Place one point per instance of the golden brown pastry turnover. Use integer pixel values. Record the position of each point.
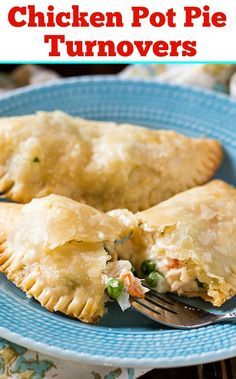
(58, 251)
(188, 242)
(103, 164)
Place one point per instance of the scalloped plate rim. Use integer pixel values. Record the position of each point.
(71, 355)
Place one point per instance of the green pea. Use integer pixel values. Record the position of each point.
(153, 278)
(148, 266)
(115, 288)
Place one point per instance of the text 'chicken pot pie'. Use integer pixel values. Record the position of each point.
(187, 244)
(58, 251)
(102, 164)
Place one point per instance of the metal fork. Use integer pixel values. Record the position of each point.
(173, 313)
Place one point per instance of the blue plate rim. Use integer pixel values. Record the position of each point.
(100, 360)
(116, 78)
(176, 361)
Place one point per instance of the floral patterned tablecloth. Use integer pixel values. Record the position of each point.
(17, 362)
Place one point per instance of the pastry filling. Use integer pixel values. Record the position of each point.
(121, 283)
(183, 277)
(173, 275)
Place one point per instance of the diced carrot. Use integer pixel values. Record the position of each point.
(174, 263)
(132, 285)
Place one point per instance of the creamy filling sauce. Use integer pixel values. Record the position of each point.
(178, 276)
(185, 278)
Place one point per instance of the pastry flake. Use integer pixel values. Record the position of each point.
(103, 164)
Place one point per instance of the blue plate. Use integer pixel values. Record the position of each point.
(124, 339)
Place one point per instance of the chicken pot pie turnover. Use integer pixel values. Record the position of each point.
(187, 244)
(102, 164)
(57, 251)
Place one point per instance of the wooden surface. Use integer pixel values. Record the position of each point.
(75, 69)
(217, 370)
